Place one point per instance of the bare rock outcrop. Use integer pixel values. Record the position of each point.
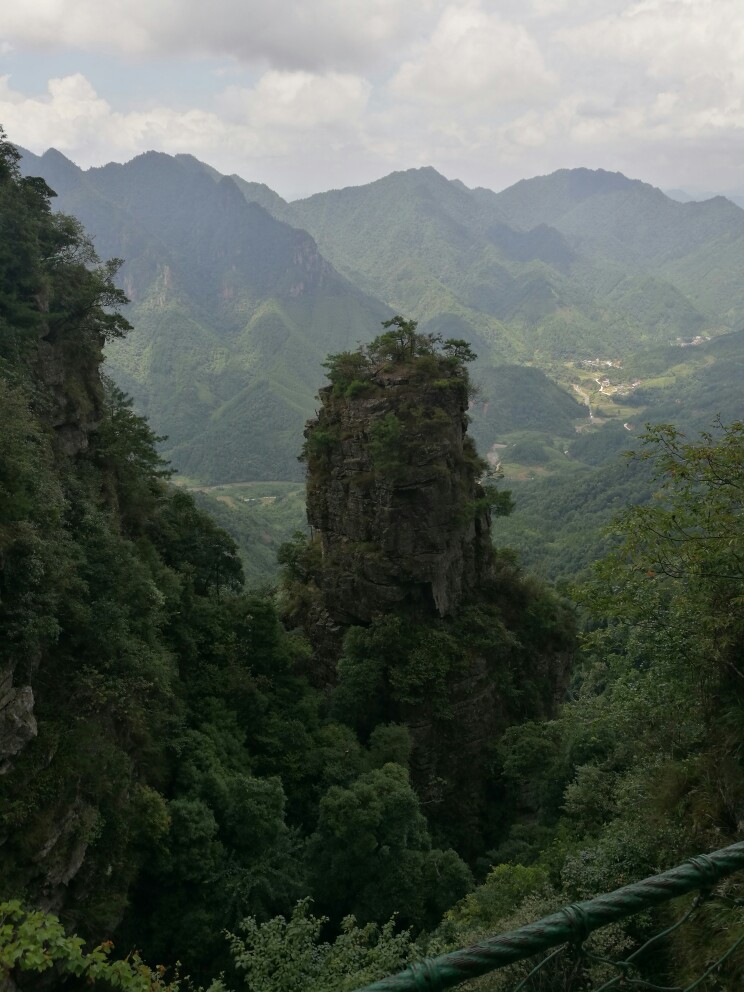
(394, 498)
(413, 616)
(17, 720)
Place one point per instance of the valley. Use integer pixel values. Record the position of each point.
(497, 668)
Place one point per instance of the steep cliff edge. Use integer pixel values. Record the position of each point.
(393, 490)
(94, 554)
(57, 305)
(413, 616)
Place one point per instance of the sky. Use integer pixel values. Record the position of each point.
(309, 95)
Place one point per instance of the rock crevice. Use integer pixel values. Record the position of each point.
(395, 500)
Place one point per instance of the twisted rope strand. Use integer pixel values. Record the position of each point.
(569, 925)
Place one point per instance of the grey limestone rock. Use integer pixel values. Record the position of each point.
(411, 532)
(17, 721)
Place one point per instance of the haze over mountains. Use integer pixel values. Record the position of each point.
(574, 288)
(233, 310)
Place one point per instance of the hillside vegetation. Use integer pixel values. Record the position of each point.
(234, 311)
(404, 731)
(169, 769)
(595, 304)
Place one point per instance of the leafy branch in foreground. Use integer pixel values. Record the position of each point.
(32, 941)
(669, 600)
(694, 528)
(287, 955)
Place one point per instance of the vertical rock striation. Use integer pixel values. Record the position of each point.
(394, 498)
(414, 618)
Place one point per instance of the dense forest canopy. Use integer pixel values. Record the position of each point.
(181, 757)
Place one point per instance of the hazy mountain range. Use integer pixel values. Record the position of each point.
(233, 310)
(561, 283)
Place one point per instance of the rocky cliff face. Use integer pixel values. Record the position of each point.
(57, 304)
(413, 616)
(394, 499)
(69, 379)
(17, 720)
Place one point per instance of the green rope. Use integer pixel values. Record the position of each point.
(569, 925)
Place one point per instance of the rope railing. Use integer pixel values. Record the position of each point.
(573, 924)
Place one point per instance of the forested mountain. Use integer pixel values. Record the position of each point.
(625, 304)
(387, 732)
(174, 759)
(554, 267)
(119, 606)
(627, 299)
(234, 311)
(574, 274)
(595, 303)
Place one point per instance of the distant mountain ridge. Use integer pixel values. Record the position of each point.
(234, 311)
(534, 270)
(238, 295)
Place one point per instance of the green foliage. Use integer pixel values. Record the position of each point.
(318, 448)
(371, 854)
(489, 498)
(390, 743)
(260, 518)
(459, 349)
(677, 578)
(636, 772)
(423, 355)
(125, 451)
(34, 942)
(190, 542)
(498, 501)
(167, 712)
(692, 529)
(288, 955)
(299, 557)
(504, 889)
(399, 669)
(385, 447)
(513, 896)
(346, 370)
(50, 276)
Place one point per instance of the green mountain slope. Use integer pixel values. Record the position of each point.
(566, 265)
(573, 272)
(697, 247)
(425, 245)
(520, 398)
(580, 292)
(234, 311)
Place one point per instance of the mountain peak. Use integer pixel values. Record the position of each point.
(192, 162)
(546, 199)
(58, 171)
(425, 174)
(54, 156)
(579, 184)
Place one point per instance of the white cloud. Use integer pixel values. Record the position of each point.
(668, 39)
(286, 115)
(341, 91)
(666, 70)
(69, 110)
(304, 34)
(474, 60)
(299, 100)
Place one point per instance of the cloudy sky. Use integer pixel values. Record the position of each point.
(306, 95)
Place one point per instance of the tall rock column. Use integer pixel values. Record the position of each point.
(413, 616)
(393, 494)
